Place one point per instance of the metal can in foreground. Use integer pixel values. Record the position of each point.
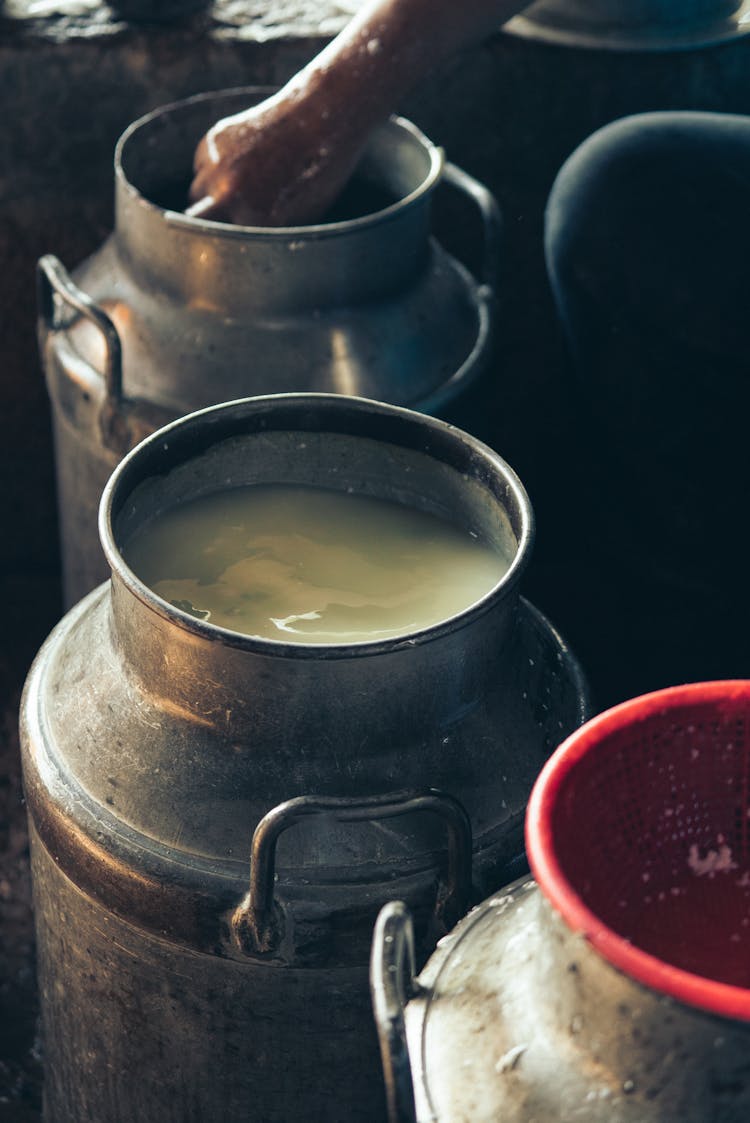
(217, 818)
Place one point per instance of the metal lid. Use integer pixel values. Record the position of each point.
(626, 25)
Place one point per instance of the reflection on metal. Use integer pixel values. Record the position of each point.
(346, 369)
(633, 25)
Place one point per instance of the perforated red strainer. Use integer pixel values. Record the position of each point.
(638, 832)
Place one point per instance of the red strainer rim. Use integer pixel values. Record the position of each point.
(695, 990)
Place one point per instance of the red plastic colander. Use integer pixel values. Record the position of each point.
(638, 832)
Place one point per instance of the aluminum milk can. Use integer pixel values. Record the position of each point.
(173, 313)
(183, 979)
(615, 989)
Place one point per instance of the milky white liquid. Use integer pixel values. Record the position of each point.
(308, 565)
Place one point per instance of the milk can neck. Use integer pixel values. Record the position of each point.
(233, 268)
(340, 448)
(212, 676)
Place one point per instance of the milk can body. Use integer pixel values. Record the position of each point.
(181, 979)
(173, 313)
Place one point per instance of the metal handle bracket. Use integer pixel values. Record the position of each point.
(255, 921)
(392, 984)
(486, 291)
(492, 223)
(56, 289)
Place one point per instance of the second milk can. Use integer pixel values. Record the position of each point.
(217, 818)
(175, 313)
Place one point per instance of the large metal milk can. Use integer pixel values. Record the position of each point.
(216, 819)
(174, 313)
(615, 989)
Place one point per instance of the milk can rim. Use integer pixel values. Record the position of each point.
(503, 590)
(723, 999)
(320, 230)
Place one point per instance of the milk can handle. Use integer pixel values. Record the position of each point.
(392, 984)
(54, 280)
(253, 922)
(492, 223)
(485, 294)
